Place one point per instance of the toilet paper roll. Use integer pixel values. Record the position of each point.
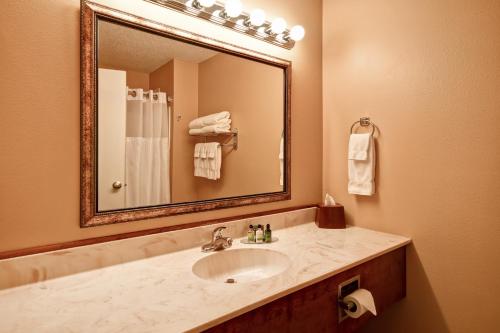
(364, 302)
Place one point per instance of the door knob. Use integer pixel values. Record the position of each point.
(117, 185)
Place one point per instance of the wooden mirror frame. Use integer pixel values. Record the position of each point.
(90, 13)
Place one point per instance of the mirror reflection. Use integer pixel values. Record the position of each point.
(179, 123)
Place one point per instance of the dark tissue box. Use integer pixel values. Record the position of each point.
(330, 217)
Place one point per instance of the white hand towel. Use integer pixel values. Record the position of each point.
(361, 171)
(212, 149)
(197, 159)
(211, 119)
(218, 161)
(207, 160)
(358, 146)
(197, 149)
(213, 156)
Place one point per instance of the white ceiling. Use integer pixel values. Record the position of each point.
(122, 47)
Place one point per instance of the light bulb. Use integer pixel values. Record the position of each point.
(257, 17)
(206, 3)
(297, 33)
(278, 25)
(233, 8)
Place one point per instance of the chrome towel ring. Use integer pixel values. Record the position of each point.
(364, 122)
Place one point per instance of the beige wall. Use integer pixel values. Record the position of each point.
(247, 89)
(425, 71)
(163, 78)
(138, 80)
(134, 79)
(180, 79)
(428, 74)
(40, 130)
(185, 109)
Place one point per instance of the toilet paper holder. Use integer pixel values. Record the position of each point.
(345, 288)
(347, 306)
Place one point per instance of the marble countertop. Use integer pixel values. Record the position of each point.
(161, 293)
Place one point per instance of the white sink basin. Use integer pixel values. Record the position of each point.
(241, 265)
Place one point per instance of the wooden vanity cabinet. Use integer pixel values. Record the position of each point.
(313, 309)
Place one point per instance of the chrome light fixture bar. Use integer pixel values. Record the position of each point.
(230, 14)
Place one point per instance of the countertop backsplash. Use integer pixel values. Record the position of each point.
(45, 266)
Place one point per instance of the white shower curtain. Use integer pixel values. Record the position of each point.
(147, 168)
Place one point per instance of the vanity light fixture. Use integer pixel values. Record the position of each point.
(232, 8)
(199, 4)
(230, 14)
(297, 33)
(257, 18)
(277, 27)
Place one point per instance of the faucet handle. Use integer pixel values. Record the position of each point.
(228, 243)
(217, 233)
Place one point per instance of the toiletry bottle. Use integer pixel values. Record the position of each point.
(268, 238)
(259, 234)
(251, 234)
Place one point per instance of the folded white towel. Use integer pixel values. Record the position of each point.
(361, 164)
(207, 160)
(217, 128)
(211, 119)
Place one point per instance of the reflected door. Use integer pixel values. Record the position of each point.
(112, 105)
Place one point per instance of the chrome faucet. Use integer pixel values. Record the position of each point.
(218, 241)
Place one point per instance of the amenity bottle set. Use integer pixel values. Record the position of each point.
(257, 234)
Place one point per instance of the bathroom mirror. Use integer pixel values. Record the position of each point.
(174, 122)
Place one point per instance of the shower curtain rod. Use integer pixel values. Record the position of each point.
(132, 93)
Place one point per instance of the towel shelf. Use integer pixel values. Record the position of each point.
(364, 122)
(233, 134)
